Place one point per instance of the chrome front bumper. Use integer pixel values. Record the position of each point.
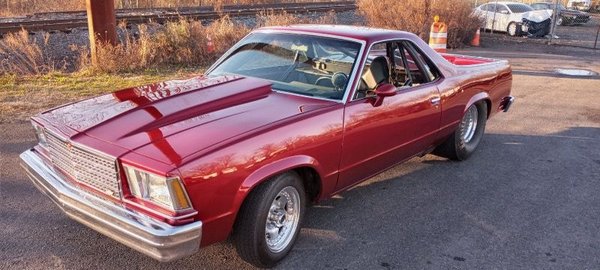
(156, 239)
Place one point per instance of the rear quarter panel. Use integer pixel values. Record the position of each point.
(469, 84)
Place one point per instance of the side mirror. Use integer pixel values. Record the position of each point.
(382, 91)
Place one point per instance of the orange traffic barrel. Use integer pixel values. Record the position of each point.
(475, 41)
(438, 36)
(210, 46)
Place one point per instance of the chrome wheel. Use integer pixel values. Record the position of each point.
(468, 125)
(283, 219)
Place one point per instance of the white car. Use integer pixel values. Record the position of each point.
(583, 5)
(508, 16)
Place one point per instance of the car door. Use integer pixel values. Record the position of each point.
(502, 17)
(377, 137)
(489, 16)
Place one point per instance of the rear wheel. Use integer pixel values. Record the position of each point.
(463, 142)
(560, 21)
(269, 220)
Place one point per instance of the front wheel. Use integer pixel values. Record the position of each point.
(269, 220)
(560, 21)
(463, 142)
(512, 29)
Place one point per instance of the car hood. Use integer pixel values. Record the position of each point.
(572, 12)
(143, 119)
(536, 15)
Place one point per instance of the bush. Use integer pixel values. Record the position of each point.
(180, 43)
(417, 17)
(21, 55)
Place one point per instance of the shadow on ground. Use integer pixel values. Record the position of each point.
(520, 201)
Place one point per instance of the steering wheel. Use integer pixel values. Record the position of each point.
(339, 80)
(320, 81)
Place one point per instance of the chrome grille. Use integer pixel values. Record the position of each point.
(83, 166)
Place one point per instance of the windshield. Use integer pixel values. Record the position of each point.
(301, 64)
(545, 6)
(519, 8)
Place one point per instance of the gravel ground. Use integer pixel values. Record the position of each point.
(527, 199)
(584, 35)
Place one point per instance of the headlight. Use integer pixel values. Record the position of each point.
(40, 134)
(166, 192)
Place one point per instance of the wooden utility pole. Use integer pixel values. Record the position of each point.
(102, 24)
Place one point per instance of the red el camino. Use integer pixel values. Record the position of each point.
(288, 116)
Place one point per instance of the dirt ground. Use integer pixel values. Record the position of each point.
(584, 35)
(527, 199)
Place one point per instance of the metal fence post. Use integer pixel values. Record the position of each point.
(494, 19)
(553, 21)
(596, 40)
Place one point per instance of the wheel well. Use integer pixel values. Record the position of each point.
(311, 180)
(487, 102)
(489, 107)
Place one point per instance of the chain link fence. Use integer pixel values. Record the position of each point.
(573, 22)
(575, 25)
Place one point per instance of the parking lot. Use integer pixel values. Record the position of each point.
(527, 199)
(583, 35)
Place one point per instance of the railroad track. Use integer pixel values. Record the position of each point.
(61, 21)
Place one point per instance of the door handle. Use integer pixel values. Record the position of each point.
(436, 101)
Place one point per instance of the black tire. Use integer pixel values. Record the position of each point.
(249, 231)
(455, 147)
(560, 21)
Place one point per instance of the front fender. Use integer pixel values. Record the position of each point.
(265, 172)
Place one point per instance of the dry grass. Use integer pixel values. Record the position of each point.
(20, 54)
(528, 2)
(272, 18)
(417, 16)
(224, 33)
(24, 7)
(181, 43)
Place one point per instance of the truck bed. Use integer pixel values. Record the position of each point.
(463, 60)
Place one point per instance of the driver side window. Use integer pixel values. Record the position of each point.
(376, 70)
(502, 9)
(397, 63)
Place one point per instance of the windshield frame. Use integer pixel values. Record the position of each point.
(351, 79)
